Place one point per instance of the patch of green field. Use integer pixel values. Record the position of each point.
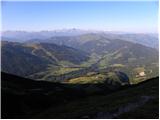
(53, 71)
(98, 78)
(118, 65)
(139, 69)
(59, 71)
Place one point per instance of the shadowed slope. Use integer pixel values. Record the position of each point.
(25, 98)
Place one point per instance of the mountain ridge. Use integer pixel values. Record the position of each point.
(147, 39)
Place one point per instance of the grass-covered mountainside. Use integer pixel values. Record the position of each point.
(63, 58)
(93, 75)
(26, 98)
(25, 59)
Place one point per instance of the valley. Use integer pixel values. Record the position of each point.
(81, 76)
(79, 59)
(62, 58)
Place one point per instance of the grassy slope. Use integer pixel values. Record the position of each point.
(36, 58)
(25, 98)
(144, 96)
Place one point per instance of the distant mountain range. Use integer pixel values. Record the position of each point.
(150, 40)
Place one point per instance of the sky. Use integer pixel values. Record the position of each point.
(108, 16)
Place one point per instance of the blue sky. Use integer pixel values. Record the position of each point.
(111, 16)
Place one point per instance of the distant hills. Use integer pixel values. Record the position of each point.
(25, 59)
(150, 40)
(61, 58)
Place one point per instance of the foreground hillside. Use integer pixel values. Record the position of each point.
(25, 98)
(138, 101)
